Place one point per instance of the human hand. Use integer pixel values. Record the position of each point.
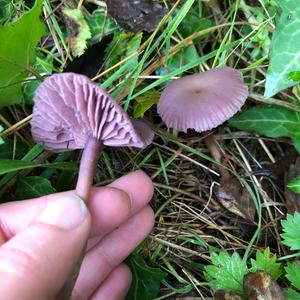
(41, 241)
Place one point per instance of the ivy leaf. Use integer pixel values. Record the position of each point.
(291, 229)
(33, 187)
(265, 262)
(293, 274)
(294, 185)
(270, 120)
(291, 294)
(226, 272)
(145, 280)
(284, 67)
(17, 53)
(101, 24)
(78, 30)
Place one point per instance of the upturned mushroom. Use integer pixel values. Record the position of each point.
(72, 112)
(202, 101)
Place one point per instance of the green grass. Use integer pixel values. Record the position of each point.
(190, 220)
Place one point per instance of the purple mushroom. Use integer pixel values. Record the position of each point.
(202, 101)
(72, 112)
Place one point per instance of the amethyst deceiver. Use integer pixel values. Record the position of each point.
(72, 112)
(202, 101)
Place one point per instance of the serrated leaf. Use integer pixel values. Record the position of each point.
(291, 229)
(78, 30)
(295, 185)
(266, 262)
(270, 120)
(145, 280)
(293, 274)
(226, 272)
(33, 187)
(17, 53)
(291, 294)
(284, 67)
(7, 165)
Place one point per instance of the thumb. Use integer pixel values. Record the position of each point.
(37, 262)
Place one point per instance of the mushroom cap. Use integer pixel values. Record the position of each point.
(202, 101)
(69, 108)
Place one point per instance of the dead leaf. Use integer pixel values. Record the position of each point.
(136, 15)
(260, 286)
(235, 198)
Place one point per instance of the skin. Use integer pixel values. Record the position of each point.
(36, 259)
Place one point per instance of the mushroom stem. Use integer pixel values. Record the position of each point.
(87, 167)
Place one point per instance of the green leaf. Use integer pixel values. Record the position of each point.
(293, 274)
(291, 294)
(265, 262)
(284, 67)
(1, 139)
(7, 165)
(145, 102)
(291, 229)
(33, 187)
(226, 272)
(270, 120)
(122, 46)
(294, 185)
(10, 149)
(101, 25)
(145, 280)
(17, 53)
(79, 31)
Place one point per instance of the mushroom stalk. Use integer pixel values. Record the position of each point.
(87, 167)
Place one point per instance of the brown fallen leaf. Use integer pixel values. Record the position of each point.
(292, 199)
(225, 295)
(260, 286)
(235, 198)
(136, 15)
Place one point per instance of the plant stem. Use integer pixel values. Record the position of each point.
(87, 167)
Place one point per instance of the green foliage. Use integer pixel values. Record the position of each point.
(17, 53)
(270, 120)
(293, 274)
(295, 185)
(145, 280)
(291, 294)
(7, 165)
(266, 262)
(9, 149)
(79, 30)
(226, 272)
(122, 46)
(181, 58)
(259, 41)
(284, 67)
(291, 229)
(101, 25)
(32, 187)
(1, 139)
(145, 102)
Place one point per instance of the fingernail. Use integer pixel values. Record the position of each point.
(67, 212)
